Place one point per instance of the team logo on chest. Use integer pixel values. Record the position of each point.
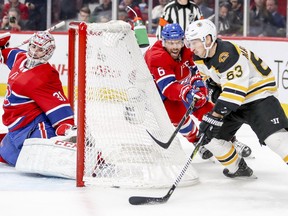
(185, 64)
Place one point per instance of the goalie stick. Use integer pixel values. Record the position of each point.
(58, 25)
(166, 145)
(141, 200)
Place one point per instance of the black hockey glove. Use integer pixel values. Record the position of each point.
(214, 90)
(210, 127)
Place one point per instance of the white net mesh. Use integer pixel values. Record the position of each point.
(122, 102)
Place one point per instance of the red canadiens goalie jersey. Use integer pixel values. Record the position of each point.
(170, 75)
(32, 92)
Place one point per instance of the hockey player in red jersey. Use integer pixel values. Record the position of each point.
(179, 82)
(35, 105)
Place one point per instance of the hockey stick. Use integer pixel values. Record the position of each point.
(166, 145)
(141, 200)
(58, 25)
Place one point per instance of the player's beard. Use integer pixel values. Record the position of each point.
(175, 53)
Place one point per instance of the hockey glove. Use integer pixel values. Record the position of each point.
(210, 127)
(197, 83)
(188, 94)
(65, 130)
(4, 40)
(214, 90)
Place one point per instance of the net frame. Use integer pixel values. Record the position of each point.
(80, 29)
(77, 60)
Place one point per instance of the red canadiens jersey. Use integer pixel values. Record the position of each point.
(170, 75)
(32, 92)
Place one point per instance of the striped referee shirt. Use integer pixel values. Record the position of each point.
(174, 12)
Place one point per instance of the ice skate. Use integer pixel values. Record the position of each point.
(242, 149)
(243, 171)
(205, 153)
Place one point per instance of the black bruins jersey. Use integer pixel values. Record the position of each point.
(243, 76)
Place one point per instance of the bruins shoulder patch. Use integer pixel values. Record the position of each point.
(223, 56)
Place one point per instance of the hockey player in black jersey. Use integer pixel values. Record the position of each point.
(249, 95)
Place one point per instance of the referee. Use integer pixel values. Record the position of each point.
(182, 12)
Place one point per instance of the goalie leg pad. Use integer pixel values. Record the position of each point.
(50, 157)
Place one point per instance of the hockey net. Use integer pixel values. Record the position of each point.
(116, 101)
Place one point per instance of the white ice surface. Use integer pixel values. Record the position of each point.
(31, 195)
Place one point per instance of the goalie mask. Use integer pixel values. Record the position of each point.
(40, 49)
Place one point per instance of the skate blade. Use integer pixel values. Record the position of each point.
(212, 159)
(252, 177)
(250, 157)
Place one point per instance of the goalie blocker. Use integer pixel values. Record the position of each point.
(4, 40)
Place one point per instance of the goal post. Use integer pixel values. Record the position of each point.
(116, 102)
(79, 30)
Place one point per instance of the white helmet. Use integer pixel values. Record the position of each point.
(45, 41)
(199, 30)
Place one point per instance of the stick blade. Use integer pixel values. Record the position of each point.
(139, 200)
(162, 144)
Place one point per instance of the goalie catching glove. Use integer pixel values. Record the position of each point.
(210, 127)
(189, 94)
(67, 130)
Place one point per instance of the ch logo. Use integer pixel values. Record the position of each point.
(275, 121)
